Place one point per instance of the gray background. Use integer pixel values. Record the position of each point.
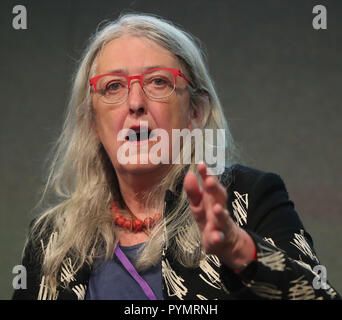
(278, 78)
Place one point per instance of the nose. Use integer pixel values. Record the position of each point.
(136, 99)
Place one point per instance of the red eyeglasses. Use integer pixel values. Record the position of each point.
(157, 83)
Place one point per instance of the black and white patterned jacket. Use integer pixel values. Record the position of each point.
(286, 268)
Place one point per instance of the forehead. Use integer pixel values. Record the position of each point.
(133, 55)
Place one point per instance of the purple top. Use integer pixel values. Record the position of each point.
(110, 280)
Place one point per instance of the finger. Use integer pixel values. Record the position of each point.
(217, 237)
(202, 170)
(221, 218)
(211, 184)
(199, 215)
(192, 189)
(216, 190)
(195, 196)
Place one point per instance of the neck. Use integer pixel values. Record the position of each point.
(134, 186)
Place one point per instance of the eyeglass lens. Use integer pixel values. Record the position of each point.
(157, 84)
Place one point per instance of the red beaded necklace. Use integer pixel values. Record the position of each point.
(134, 224)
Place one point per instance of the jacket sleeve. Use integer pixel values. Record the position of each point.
(287, 266)
(72, 284)
(31, 262)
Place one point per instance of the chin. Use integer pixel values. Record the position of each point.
(139, 168)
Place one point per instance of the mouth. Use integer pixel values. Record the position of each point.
(138, 134)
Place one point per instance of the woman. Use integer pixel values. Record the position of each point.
(129, 227)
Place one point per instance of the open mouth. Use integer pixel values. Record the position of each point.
(137, 134)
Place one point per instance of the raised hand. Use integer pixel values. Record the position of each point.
(220, 235)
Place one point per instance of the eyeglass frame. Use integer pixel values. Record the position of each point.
(175, 72)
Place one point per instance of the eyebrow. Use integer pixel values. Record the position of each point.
(122, 71)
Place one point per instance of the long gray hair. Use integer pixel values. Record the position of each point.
(83, 179)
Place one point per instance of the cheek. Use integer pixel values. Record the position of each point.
(107, 125)
(175, 115)
(101, 126)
